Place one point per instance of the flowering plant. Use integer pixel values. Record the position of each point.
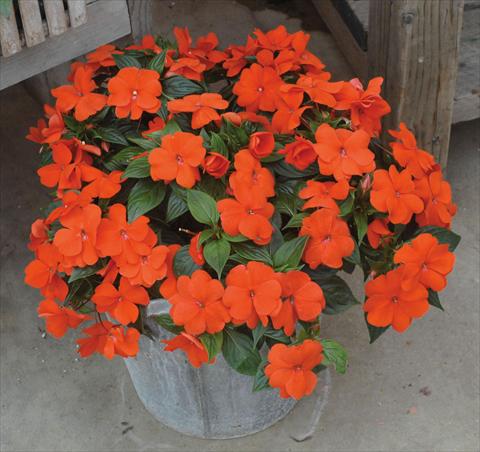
(236, 184)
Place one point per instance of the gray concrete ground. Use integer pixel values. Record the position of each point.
(52, 401)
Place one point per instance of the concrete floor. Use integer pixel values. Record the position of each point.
(52, 401)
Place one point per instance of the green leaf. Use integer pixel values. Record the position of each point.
(361, 221)
(170, 128)
(296, 221)
(166, 322)
(375, 332)
(72, 123)
(287, 203)
(144, 143)
(216, 253)
(212, 343)
(176, 206)
(289, 254)
(126, 61)
(234, 238)
(239, 352)
(178, 86)
(205, 235)
(260, 380)
(276, 335)
(257, 333)
(334, 353)
(443, 235)
(144, 196)
(183, 263)
(434, 300)
(202, 207)
(111, 135)
(85, 272)
(157, 63)
(218, 145)
(346, 205)
(286, 170)
(122, 158)
(249, 252)
(138, 168)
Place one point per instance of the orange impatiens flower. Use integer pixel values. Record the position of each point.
(343, 153)
(330, 240)
(216, 164)
(289, 112)
(77, 239)
(366, 106)
(105, 186)
(261, 144)
(133, 91)
(109, 340)
(102, 56)
(124, 241)
(80, 95)
(120, 303)
(42, 273)
(319, 88)
(193, 348)
(310, 62)
(178, 159)
(378, 232)
(324, 194)
(276, 39)
(202, 106)
(388, 303)
(436, 193)
(300, 153)
(71, 200)
(425, 261)
(148, 269)
(302, 299)
(169, 285)
(59, 319)
(236, 56)
(394, 192)
(197, 305)
(196, 250)
(50, 133)
(406, 152)
(38, 234)
(290, 368)
(252, 292)
(258, 88)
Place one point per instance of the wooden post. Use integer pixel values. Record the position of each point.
(414, 45)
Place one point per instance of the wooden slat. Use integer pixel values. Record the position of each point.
(77, 10)
(414, 45)
(9, 38)
(56, 17)
(31, 21)
(107, 20)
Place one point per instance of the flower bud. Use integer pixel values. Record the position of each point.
(216, 164)
(300, 153)
(261, 144)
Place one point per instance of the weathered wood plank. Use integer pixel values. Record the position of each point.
(77, 10)
(56, 17)
(9, 37)
(348, 45)
(108, 20)
(414, 45)
(31, 21)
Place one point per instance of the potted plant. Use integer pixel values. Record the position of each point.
(231, 187)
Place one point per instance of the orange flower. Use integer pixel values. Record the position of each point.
(394, 192)
(276, 39)
(197, 305)
(281, 63)
(103, 56)
(425, 261)
(47, 134)
(258, 88)
(320, 90)
(78, 238)
(71, 200)
(252, 292)
(289, 113)
(378, 232)
(154, 125)
(109, 340)
(406, 152)
(330, 239)
(120, 303)
(247, 216)
(366, 106)
(291, 368)
(38, 234)
(123, 241)
(216, 164)
(169, 285)
(305, 58)
(105, 186)
(235, 60)
(178, 159)
(42, 274)
(343, 153)
(59, 319)
(300, 153)
(388, 303)
(133, 91)
(323, 194)
(148, 269)
(79, 96)
(148, 43)
(302, 299)
(192, 347)
(202, 106)
(191, 68)
(261, 144)
(436, 193)
(196, 250)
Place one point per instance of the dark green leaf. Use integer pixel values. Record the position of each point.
(249, 252)
(212, 343)
(346, 206)
(205, 235)
(288, 256)
(234, 238)
(434, 300)
(126, 61)
(216, 253)
(239, 352)
(202, 207)
(157, 63)
(218, 145)
(144, 196)
(176, 206)
(144, 143)
(286, 170)
(287, 203)
(257, 333)
(170, 128)
(443, 235)
(295, 221)
(276, 335)
(374, 331)
(79, 273)
(178, 86)
(361, 221)
(138, 168)
(334, 353)
(183, 263)
(260, 381)
(111, 135)
(166, 322)
(122, 158)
